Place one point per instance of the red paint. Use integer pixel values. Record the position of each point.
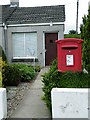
(69, 52)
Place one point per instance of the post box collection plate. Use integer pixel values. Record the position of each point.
(69, 60)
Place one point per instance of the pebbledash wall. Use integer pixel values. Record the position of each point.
(40, 30)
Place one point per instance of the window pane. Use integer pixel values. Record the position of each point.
(31, 44)
(18, 45)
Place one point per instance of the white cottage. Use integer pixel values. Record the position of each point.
(29, 33)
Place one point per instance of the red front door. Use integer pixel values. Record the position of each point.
(51, 48)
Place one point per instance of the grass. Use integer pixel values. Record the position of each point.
(0, 80)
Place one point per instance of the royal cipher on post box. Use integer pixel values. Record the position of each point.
(69, 52)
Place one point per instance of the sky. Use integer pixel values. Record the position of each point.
(70, 9)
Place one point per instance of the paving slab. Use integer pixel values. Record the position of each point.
(32, 105)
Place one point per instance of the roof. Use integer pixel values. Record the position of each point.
(29, 15)
(7, 11)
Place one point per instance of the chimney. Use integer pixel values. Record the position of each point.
(14, 3)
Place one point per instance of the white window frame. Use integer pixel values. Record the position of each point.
(25, 57)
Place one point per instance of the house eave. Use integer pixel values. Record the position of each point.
(37, 24)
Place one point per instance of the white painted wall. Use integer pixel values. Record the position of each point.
(70, 103)
(3, 103)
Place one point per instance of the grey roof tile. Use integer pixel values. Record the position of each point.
(7, 11)
(43, 14)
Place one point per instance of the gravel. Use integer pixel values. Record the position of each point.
(15, 95)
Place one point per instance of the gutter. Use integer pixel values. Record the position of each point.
(37, 24)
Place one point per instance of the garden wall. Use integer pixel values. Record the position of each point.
(3, 103)
(70, 103)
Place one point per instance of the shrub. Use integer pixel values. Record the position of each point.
(27, 72)
(10, 75)
(13, 74)
(3, 59)
(0, 79)
(54, 79)
(37, 68)
(88, 68)
(2, 54)
(1, 64)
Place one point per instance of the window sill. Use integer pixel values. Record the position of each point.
(24, 59)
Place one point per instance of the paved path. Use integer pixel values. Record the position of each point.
(32, 105)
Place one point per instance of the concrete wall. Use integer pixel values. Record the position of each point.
(41, 30)
(3, 103)
(70, 103)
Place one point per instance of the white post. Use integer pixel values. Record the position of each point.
(3, 103)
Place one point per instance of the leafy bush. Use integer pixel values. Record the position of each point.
(57, 79)
(88, 68)
(0, 79)
(3, 59)
(1, 64)
(13, 74)
(10, 75)
(27, 72)
(37, 68)
(2, 54)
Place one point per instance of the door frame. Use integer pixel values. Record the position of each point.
(44, 42)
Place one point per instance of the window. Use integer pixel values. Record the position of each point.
(24, 45)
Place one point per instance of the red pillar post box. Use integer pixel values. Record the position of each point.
(69, 52)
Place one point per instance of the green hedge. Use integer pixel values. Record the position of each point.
(10, 75)
(13, 74)
(85, 35)
(72, 36)
(57, 79)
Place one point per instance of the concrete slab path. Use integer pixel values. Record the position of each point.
(32, 105)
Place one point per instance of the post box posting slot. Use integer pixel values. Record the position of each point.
(69, 57)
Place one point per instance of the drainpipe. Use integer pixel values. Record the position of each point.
(5, 30)
(5, 38)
